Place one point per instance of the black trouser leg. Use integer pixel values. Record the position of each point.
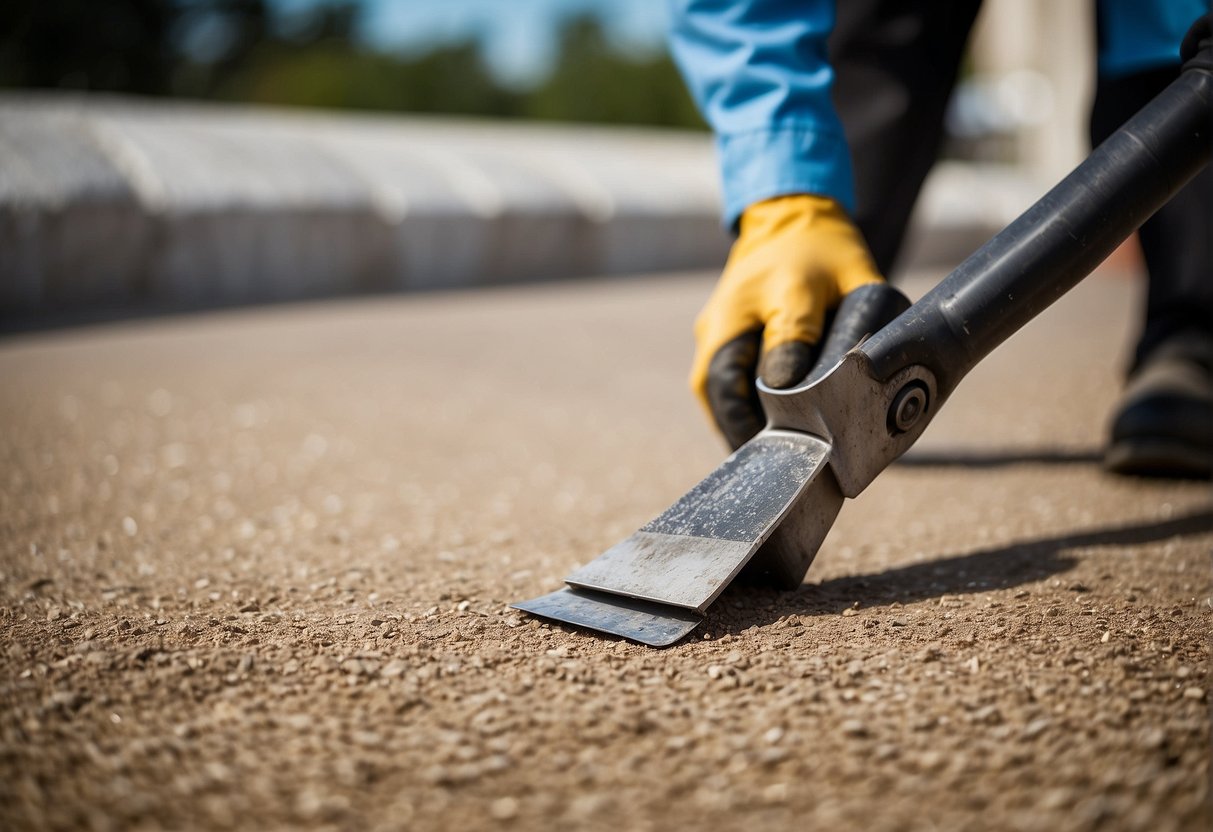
(1178, 240)
(896, 62)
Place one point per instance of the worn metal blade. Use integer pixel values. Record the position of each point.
(690, 553)
(657, 625)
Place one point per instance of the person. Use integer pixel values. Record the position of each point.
(793, 89)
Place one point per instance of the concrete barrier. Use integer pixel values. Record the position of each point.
(71, 227)
(108, 199)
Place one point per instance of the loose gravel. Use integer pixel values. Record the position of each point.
(255, 569)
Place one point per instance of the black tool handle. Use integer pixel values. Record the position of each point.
(1059, 240)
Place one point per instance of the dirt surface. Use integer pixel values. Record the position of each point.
(255, 568)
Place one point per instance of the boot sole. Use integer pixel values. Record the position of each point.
(1159, 458)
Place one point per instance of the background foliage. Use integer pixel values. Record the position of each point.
(245, 50)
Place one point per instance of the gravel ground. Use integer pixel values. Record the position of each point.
(254, 569)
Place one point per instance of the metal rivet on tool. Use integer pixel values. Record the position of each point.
(908, 406)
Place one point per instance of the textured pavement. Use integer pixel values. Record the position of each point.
(254, 569)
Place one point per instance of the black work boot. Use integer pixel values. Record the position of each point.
(1164, 424)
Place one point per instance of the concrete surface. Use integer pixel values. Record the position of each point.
(255, 568)
(113, 204)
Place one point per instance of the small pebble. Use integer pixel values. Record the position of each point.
(1057, 799)
(503, 808)
(775, 793)
(989, 715)
(931, 760)
(1152, 739)
(67, 699)
(1036, 727)
(854, 728)
(886, 751)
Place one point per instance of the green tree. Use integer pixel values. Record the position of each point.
(594, 82)
(338, 74)
(245, 50)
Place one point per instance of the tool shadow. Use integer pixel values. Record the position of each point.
(976, 458)
(981, 571)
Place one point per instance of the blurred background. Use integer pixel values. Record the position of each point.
(183, 153)
(576, 60)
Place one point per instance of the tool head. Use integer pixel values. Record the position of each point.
(654, 586)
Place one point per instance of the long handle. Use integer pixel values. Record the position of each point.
(1059, 240)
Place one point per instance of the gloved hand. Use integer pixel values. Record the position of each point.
(795, 258)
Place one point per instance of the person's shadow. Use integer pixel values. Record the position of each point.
(982, 571)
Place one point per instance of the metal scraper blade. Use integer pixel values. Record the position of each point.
(689, 554)
(681, 561)
(656, 625)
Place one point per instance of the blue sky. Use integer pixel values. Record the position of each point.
(517, 35)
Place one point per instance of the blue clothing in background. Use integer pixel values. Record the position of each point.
(1137, 35)
(758, 69)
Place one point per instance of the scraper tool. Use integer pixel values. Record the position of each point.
(767, 508)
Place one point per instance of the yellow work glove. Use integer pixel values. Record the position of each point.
(795, 258)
